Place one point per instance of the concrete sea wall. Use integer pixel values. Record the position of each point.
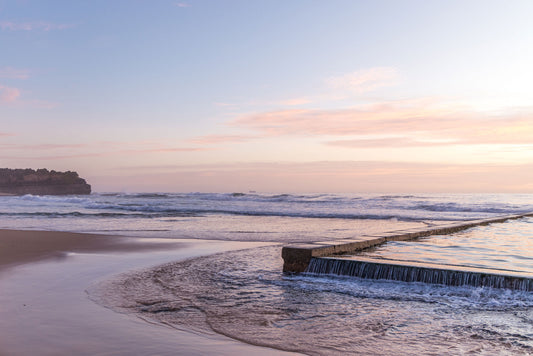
(369, 268)
(296, 258)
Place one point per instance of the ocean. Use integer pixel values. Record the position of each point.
(243, 294)
(250, 216)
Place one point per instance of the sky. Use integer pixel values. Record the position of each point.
(271, 96)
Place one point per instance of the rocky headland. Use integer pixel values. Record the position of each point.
(41, 182)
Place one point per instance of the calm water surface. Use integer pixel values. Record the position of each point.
(506, 246)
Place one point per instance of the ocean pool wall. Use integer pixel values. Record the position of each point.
(369, 268)
(296, 258)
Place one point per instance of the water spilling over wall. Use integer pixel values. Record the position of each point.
(369, 269)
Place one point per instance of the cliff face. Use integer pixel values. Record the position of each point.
(41, 182)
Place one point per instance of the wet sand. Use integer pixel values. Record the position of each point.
(45, 309)
(19, 247)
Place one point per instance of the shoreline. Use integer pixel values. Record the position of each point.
(41, 245)
(44, 277)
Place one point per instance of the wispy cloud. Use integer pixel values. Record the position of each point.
(13, 73)
(172, 149)
(32, 26)
(332, 89)
(8, 94)
(75, 150)
(389, 142)
(182, 4)
(52, 157)
(217, 139)
(339, 176)
(412, 122)
(12, 95)
(363, 81)
(43, 146)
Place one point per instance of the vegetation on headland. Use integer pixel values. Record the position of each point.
(41, 182)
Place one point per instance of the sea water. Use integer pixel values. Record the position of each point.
(244, 294)
(250, 216)
(505, 247)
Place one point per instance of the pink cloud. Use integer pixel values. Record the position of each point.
(53, 157)
(415, 122)
(336, 88)
(8, 95)
(345, 176)
(388, 142)
(103, 147)
(47, 151)
(44, 146)
(216, 139)
(31, 26)
(369, 119)
(182, 4)
(363, 81)
(172, 149)
(13, 73)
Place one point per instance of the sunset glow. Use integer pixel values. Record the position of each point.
(273, 96)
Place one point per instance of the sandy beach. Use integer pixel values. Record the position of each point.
(19, 247)
(46, 310)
